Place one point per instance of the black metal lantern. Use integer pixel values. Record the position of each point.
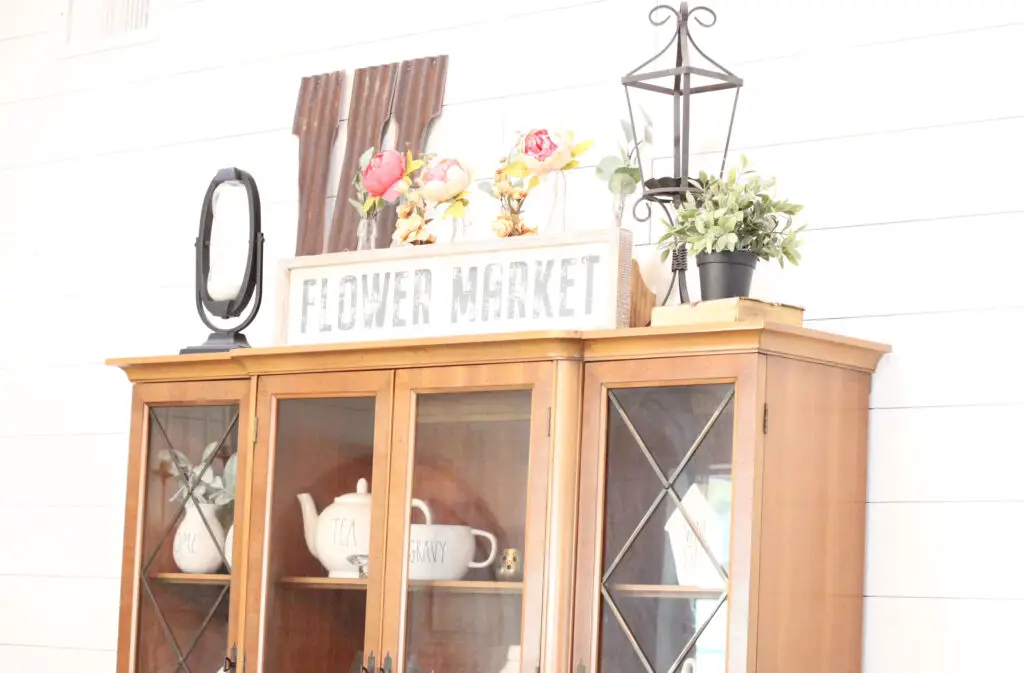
(249, 286)
(680, 82)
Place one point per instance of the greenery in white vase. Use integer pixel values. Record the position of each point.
(208, 488)
(622, 172)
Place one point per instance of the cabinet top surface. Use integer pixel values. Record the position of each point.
(620, 344)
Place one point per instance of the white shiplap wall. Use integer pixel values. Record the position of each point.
(897, 122)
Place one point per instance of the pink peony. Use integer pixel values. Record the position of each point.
(383, 175)
(444, 179)
(544, 152)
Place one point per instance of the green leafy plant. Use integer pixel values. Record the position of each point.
(735, 213)
(622, 173)
(208, 488)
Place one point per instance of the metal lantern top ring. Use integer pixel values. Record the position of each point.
(678, 82)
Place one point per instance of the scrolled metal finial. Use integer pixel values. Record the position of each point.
(701, 8)
(636, 205)
(671, 11)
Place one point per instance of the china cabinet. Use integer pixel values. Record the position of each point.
(653, 499)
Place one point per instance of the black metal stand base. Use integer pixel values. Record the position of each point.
(219, 342)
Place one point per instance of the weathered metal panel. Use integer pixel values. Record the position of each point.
(418, 98)
(373, 91)
(316, 122)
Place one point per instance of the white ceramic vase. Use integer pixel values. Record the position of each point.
(196, 551)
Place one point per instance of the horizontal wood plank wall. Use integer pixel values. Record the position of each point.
(942, 409)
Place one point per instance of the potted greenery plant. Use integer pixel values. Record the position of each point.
(730, 223)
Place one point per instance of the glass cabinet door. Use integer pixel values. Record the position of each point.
(186, 516)
(322, 453)
(656, 509)
(466, 518)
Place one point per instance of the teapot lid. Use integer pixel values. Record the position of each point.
(360, 497)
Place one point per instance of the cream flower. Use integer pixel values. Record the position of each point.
(545, 151)
(443, 180)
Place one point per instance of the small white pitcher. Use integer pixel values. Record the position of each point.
(195, 550)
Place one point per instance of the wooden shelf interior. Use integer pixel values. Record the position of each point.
(470, 587)
(192, 578)
(471, 459)
(328, 583)
(185, 607)
(665, 591)
(658, 605)
(183, 600)
(344, 584)
(323, 446)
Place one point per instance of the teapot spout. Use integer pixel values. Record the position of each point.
(309, 519)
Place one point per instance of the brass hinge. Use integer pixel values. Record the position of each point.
(764, 424)
(549, 421)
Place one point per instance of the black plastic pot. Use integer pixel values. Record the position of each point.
(725, 274)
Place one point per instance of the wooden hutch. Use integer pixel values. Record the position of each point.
(673, 495)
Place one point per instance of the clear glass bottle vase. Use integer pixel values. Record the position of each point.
(366, 234)
(459, 227)
(556, 217)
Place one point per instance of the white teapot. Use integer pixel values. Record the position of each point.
(342, 530)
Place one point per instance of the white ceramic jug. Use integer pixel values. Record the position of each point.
(196, 549)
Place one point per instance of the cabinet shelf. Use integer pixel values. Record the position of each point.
(329, 583)
(456, 586)
(665, 591)
(191, 578)
(467, 587)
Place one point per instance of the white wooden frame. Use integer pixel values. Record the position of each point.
(609, 282)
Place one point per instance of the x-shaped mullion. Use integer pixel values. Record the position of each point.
(163, 623)
(698, 632)
(202, 627)
(667, 487)
(667, 484)
(625, 629)
(189, 494)
(182, 658)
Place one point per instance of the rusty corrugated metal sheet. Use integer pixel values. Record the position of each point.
(316, 123)
(373, 91)
(419, 95)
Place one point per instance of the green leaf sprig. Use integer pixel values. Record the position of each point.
(622, 172)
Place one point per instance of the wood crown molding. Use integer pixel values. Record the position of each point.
(622, 344)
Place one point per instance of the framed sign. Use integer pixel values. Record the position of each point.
(575, 281)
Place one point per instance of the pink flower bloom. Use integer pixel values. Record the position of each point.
(443, 180)
(383, 175)
(544, 152)
(538, 145)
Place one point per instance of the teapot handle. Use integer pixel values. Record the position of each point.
(422, 506)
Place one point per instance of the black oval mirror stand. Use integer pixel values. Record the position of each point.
(225, 339)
